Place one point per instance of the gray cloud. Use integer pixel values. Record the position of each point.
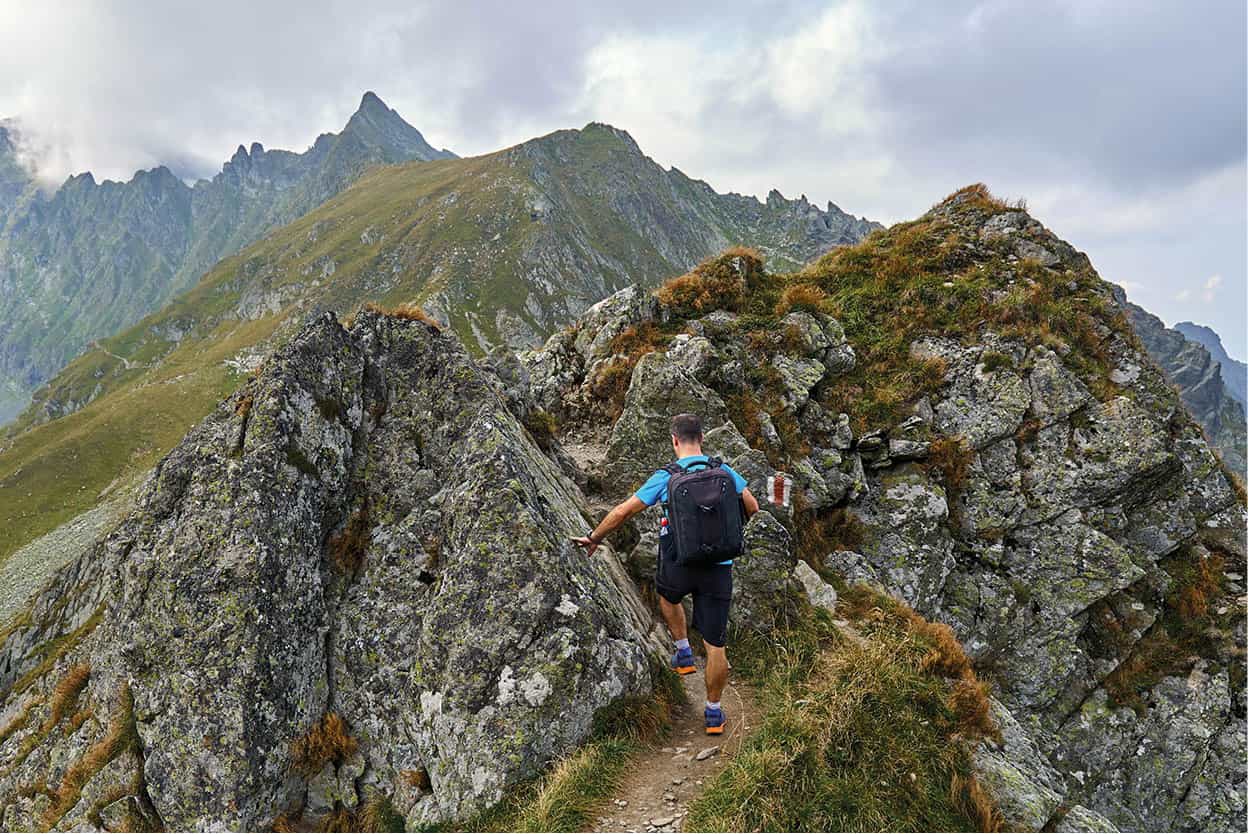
(1123, 125)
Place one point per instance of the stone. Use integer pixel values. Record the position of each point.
(706, 752)
(641, 440)
(1025, 787)
(1081, 819)
(820, 593)
(764, 590)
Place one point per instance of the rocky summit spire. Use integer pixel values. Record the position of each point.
(377, 125)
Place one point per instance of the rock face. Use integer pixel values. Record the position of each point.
(93, 258)
(1062, 513)
(365, 530)
(1208, 385)
(1234, 372)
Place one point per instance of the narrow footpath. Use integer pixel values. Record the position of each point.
(663, 780)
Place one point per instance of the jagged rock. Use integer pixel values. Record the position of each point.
(763, 591)
(977, 405)
(221, 604)
(1056, 393)
(1025, 787)
(602, 322)
(1142, 771)
(798, 376)
(909, 550)
(820, 593)
(641, 439)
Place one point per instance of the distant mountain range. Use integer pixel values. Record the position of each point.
(1234, 372)
(93, 257)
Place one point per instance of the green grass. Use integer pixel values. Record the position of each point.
(855, 737)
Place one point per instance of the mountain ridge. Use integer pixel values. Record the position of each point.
(967, 421)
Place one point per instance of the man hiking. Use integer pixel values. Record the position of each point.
(699, 534)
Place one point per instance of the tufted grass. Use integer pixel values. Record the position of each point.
(1188, 627)
(328, 740)
(857, 734)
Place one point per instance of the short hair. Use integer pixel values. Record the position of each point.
(687, 427)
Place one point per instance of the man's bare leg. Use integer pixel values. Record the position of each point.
(674, 616)
(716, 672)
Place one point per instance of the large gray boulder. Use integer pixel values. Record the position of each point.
(364, 530)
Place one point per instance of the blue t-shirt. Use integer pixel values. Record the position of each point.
(654, 490)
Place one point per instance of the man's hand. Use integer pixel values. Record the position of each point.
(586, 542)
(619, 514)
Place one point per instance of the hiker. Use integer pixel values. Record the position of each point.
(699, 534)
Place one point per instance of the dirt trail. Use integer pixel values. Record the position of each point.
(663, 780)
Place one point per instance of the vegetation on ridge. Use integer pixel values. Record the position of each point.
(865, 729)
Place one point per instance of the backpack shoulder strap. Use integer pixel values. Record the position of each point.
(674, 468)
(714, 463)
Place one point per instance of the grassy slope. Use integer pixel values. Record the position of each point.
(869, 730)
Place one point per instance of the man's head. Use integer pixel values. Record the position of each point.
(687, 435)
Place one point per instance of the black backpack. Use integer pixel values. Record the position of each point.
(704, 513)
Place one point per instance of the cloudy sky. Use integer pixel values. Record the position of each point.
(1121, 123)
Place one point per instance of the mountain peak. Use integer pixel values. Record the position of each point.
(375, 123)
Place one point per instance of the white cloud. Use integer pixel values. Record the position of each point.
(1210, 287)
(882, 108)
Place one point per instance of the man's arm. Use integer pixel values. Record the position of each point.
(750, 502)
(619, 514)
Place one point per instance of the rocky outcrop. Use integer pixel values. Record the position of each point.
(363, 531)
(1060, 510)
(1204, 383)
(1234, 372)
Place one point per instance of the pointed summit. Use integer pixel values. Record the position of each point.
(379, 126)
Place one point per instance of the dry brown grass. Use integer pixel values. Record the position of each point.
(977, 194)
(21, 718)
(859, 735)
(952, 456)
(805, 297)
(377, 813)
(244, 405)
(417, 778)
(120, 737)
(407, 312)
(969, 795)
(719, 282)
(348, 546)
(328, 740)
(68, 689)
(285, 822)
(1204, 585)
(339, 819)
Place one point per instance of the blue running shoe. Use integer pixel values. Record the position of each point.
(715, 721)
(682, 661)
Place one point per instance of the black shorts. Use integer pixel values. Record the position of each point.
(711, 586)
